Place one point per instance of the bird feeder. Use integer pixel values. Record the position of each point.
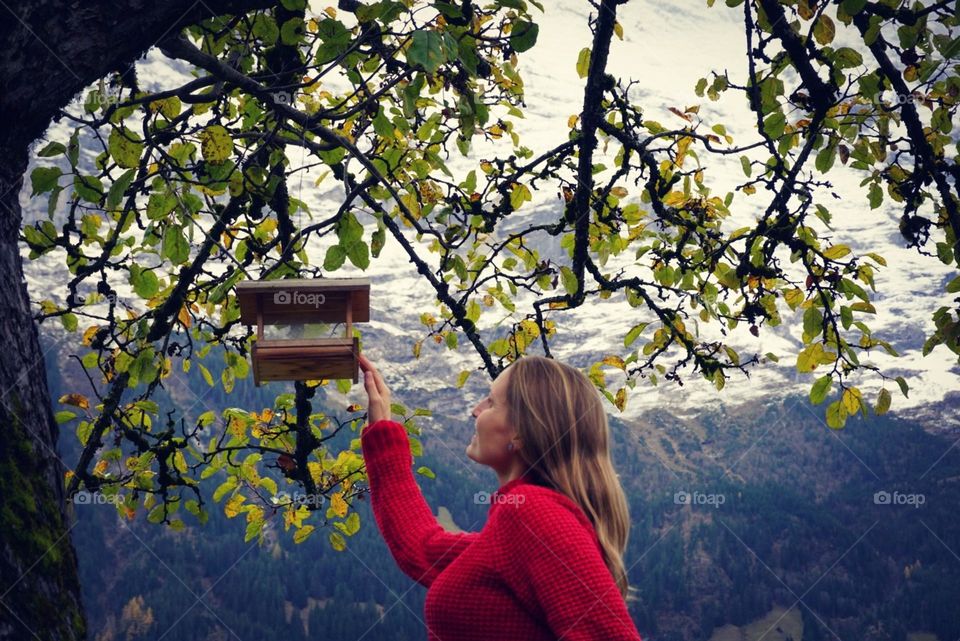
(298, 302)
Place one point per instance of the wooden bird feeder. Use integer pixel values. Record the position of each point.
(297, 302)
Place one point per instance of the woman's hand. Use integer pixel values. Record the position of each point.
(378, 407)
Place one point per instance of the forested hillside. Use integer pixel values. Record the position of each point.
(736, 514)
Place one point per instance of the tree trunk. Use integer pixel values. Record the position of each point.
(52, 50)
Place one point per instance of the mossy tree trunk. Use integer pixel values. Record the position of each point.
(53, 49)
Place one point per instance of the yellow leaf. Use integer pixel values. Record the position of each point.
(618, 29)
(301, 535)
(583, 62)
(572, 121)
(100, 468)
(614, 361)
(620, 400)
(89, 333)
(215, 144)
(184, 316)
(835, 252)
(77, 400)
(851, 400)
(338, 504)
(232, 507)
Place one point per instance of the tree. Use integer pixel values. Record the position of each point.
(189, 194)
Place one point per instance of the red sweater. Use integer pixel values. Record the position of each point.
(534, 572)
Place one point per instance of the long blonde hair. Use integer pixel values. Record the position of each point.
(560, 418)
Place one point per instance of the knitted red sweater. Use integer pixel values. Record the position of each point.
(534, 572)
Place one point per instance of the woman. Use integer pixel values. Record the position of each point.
(548, 563)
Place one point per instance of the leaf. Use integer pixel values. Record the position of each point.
(954, 285)
(301, 535)
(338, 542)
(125, 147)
(358, 253)
(836, 415)
(634, 333)
(216, 145)
(824, 30)
(175, 245)
(77, 400)
(44, 179)
(523, 35)
(427, 50)
(904, 388)
(883, 402)
(334, 258)
(52, 149)
(745, 163)
(425, 471)
(836, 252)
(519, 194)
(338, 504)
(88, 188)
(821, 389)
(583, 62)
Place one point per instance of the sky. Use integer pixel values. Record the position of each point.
(666, 48)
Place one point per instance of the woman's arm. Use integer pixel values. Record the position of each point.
(421, 547)
(552, 562)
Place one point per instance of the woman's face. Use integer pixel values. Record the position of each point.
(493, 429)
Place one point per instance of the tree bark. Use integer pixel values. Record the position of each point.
(52, 50)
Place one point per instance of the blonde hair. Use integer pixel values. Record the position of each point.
(560, 418)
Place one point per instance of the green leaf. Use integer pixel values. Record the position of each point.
(63, 416)
(88, 188)
(44, 179)
(820, 389)
(301, 535)
(902, 382)
(954, 285)
(334, 258)
(175, 245)
(338, 542)
(292, 31)
(216, 145)
(119, 188)
(774, 124)
(583, 62)
(52, 149)
(745, 163)
(69, 322)
(427, 50)
(883, 402)
(358, 253)
(853, 7)
(836, 415)
(824, 30)
(875, 195)
(125, 147)
(634, 333)
(523, 35)
(846, 57)
(426, 471)
(349, 228)
(836, 252)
